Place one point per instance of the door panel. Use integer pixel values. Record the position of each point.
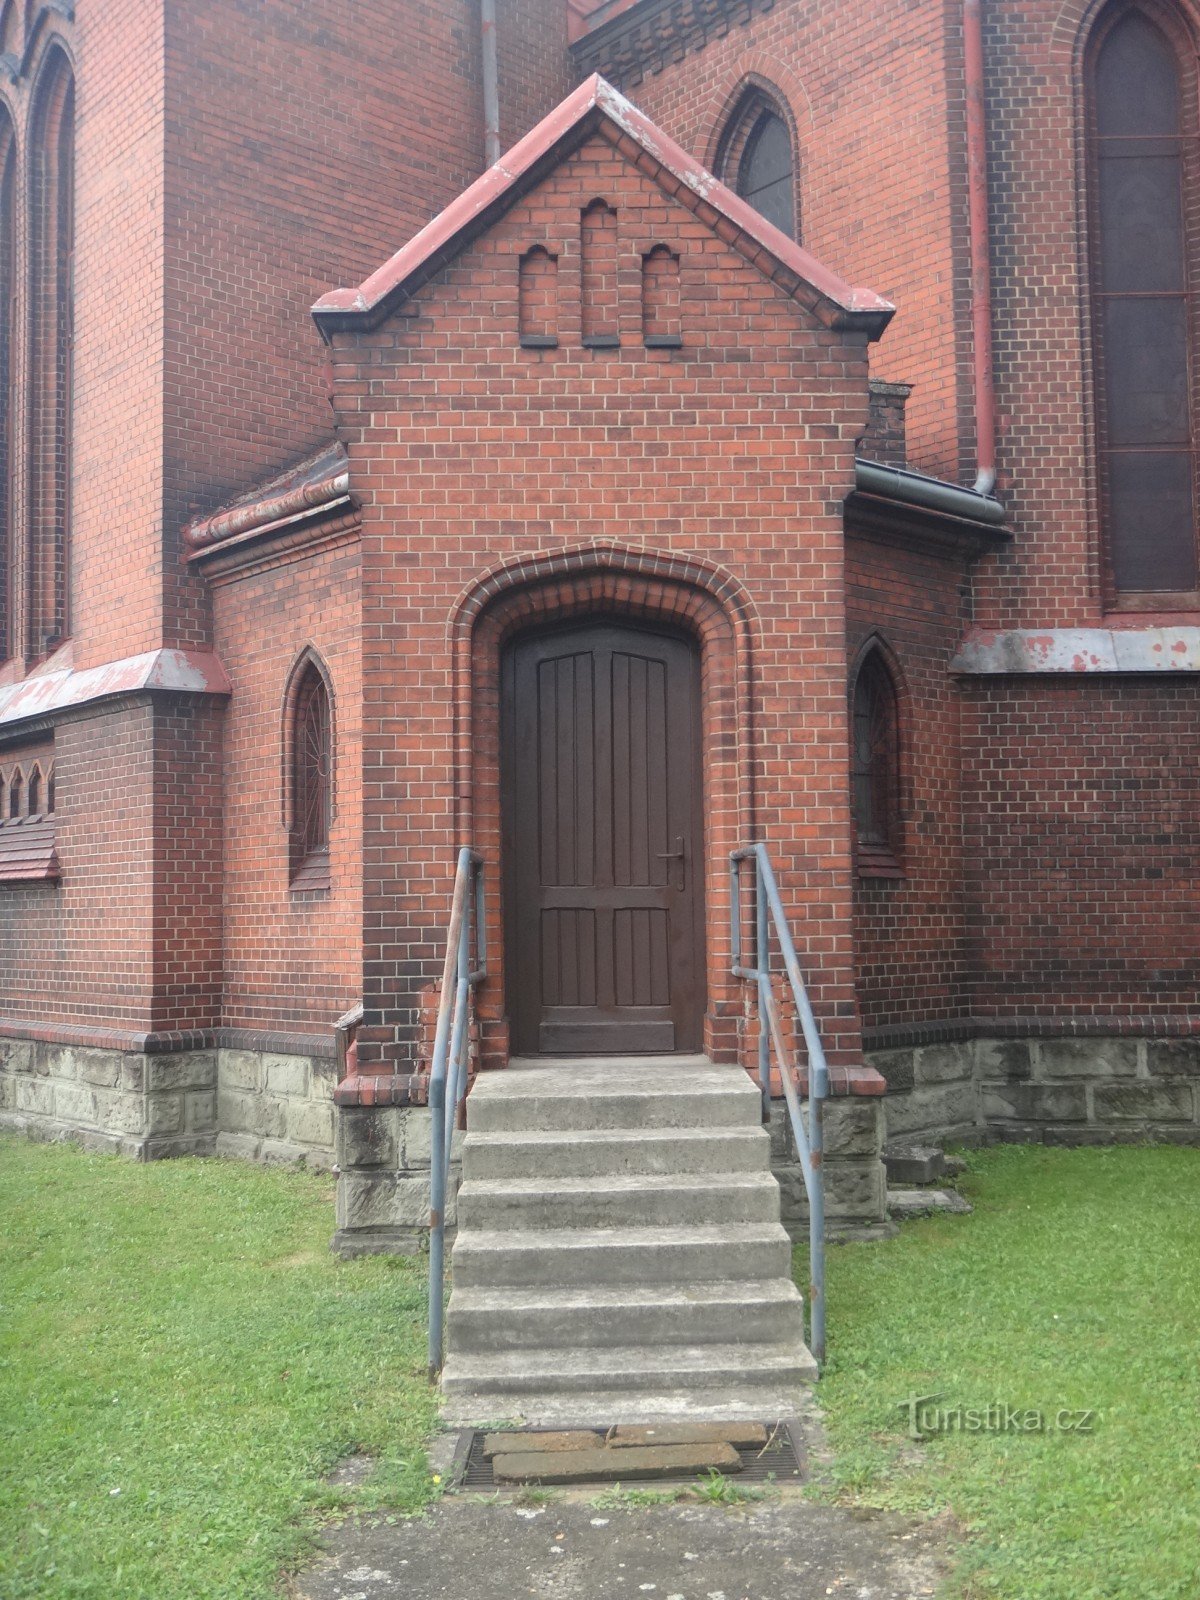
(603, 873)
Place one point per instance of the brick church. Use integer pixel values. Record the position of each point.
(603, 434)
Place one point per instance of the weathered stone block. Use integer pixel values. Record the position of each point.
(382, 1199)
(193, 1069)
(938, 1110)
(286, 1075)
(1173, 1058)
(119, 1112)
(133, 1073)
(8, 1092)
(242, 1146)
(1006, 1059)
(101, 1068)
(76, 1104)
(281, 1153)
(251, 1113)
(324, 1079)
(853, 1127)
(897, 1066)
(418, 1137)
(36, 1095)
(944, 1063)
(1085, 1058)
(1035, 1102)
(918, 1164)
(311, 1124)
(16, 1055)
(201, 1111)
(369, 1137)
(584, 1466)
(165, 1113)
(239, 1069)
(1151, 1102)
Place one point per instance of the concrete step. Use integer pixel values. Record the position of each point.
(640, 1092)
(527, 1258)
(590, 1153)
(629, 1367)
(680, 1199)
(485, 1320)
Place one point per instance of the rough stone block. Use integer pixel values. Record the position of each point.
(251, 1113)
(897, 1066)
(944, 1063)
(939, 1110)
(239, 1146)
(119, 1112)
(324, 1079)
(919, 1164)
(286, 1075)
(8, 1092)
(201, 1111)
(101, 1068)
(1006, 1059)
(853, 1127)
(384, 1199)
(35, 1094)
(16, 1055)
(1035, 1102)
(418, 1131)
(1173, 1058)
(165, 1114)
(76, 1104)
(239, 1069)
(1150, 1102)
(311, 1124)
(369, 1137)
(192, 1069)
(281, 1153)
(133, 1074)
(1086, 1058)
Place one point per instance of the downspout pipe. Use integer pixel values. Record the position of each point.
(491, 83)
(981, 252)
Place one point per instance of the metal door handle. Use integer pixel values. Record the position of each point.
(679, 855)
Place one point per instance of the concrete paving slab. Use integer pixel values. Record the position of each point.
(471, 1550)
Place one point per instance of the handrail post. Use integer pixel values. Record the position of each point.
(763, 965)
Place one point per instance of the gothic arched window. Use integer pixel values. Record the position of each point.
(875, 768)
(52, 327)
(1142, 158)
(311, 779)
(756, 158)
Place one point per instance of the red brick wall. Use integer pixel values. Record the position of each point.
(909, 951)
(1082, 830)
(291, 961)
(470, 451)
(307, 140)
(873, 90)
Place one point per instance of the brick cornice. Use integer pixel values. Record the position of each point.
(626, 44)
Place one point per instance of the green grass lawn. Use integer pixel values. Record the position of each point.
(1075, 1284)
(181, 1362)
(179, 1333)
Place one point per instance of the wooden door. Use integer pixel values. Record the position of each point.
(603, 858)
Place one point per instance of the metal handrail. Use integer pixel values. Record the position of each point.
(768, 912)
(448, 1074)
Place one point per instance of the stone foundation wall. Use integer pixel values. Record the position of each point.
(1067, 1091)
(145, 1106)
(855, 1185)
(273, 1107)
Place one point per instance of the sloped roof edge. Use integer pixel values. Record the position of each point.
(595, 101)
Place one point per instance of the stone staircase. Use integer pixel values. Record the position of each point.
(619, 1254)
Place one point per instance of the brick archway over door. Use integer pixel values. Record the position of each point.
(611, 580)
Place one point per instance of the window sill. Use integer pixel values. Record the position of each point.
(27, 850)
(1171, 603)
(312, 879)
(879, 862)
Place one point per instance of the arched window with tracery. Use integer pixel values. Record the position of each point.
(52, 318)
(875, 778)
(311, 779)
(8, 289)
(1144, 191)
(757, 159)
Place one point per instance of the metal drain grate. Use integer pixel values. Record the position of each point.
(781, 1459)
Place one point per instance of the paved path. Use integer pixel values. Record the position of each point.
(466, 1549)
